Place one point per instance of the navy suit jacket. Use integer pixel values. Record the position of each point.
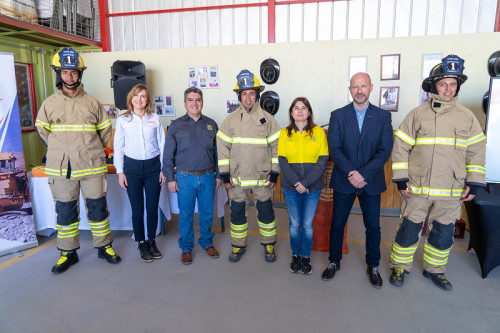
(366, 152)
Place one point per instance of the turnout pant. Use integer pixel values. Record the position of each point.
(240, 198)
(66, 194)
(439, 237)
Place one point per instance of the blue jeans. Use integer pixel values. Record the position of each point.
(370, 208)
(192, 187)
(301, 209)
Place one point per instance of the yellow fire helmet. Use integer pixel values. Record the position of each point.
(67, 58)
(247, 80)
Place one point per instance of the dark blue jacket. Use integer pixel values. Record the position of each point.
(366, 152)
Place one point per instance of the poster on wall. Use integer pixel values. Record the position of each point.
(17, 227)
(203, 77)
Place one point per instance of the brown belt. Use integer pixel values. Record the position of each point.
(197, 173)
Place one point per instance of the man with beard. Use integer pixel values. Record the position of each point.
(360, 142)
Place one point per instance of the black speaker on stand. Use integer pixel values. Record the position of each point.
(125, 74)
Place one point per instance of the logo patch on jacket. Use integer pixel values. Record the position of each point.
(313, 138)
(209, 127)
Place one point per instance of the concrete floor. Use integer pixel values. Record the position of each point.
(214, 295)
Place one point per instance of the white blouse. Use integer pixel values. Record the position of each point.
(137, 138)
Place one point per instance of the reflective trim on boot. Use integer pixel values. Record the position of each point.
(66, 259)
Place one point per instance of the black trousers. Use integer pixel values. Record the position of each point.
(143, 176)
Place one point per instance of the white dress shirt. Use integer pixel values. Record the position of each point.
(137, 138)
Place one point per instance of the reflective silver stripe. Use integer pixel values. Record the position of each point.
(475, 139)
(400, 166)
(223, 162)
(437, 192)
(476, 168)
(405, 137)
(274, 137)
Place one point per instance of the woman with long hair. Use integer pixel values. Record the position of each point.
(138, 146)
(302, 155)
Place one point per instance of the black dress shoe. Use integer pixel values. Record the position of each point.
(374, 277)
(329, 271)
(438, 279)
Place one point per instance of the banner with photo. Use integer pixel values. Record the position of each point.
(17, 227)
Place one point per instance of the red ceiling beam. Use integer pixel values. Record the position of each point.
(497, 17)
(271, 21)
(104, 21)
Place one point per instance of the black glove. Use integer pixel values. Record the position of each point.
(226, 178)
(473, 189)
(402, 186)
(273, 177)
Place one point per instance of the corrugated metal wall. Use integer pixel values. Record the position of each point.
(335, 20)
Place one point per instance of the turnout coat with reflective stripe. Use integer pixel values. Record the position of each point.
(247, 146)
(75, 130)
(439, 147)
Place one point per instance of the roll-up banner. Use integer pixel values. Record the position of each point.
(17, 227)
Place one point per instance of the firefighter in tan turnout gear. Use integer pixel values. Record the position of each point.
(76, 128)
(247, 146)
(438, 162)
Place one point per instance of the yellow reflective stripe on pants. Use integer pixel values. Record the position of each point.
(100, 229)
(434, 256)
(267, 229)
(239, 226)
(402, 255)
(67, 231)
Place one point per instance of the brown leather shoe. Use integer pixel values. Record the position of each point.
(212, 252)
(186, 258)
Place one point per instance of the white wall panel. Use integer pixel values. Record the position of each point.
(336, 20)
(355, 19)
(165, 31)
(227, 27)
(370, 26)
(436, 17)
(296, 23)
(487, 15)
(340, 19)
(254, 23)
(175, 23)
(469, 19)
(453, 12)
(188, 29)
(263, 25)
(281, 21)
(402, 24)
(325, 21)
(386, 20)
(419, 18)
(213, 27)
(310, 20)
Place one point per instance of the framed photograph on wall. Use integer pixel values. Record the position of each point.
(26, 96)
(357, 64)
(111, 110)
(389, 66)
(389, 98)
(428, 62)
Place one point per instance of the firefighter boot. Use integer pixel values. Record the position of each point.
(66, 259)
(397, 278)
(236, 254)
(107, 252)
(438, 279)
(269, 253)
